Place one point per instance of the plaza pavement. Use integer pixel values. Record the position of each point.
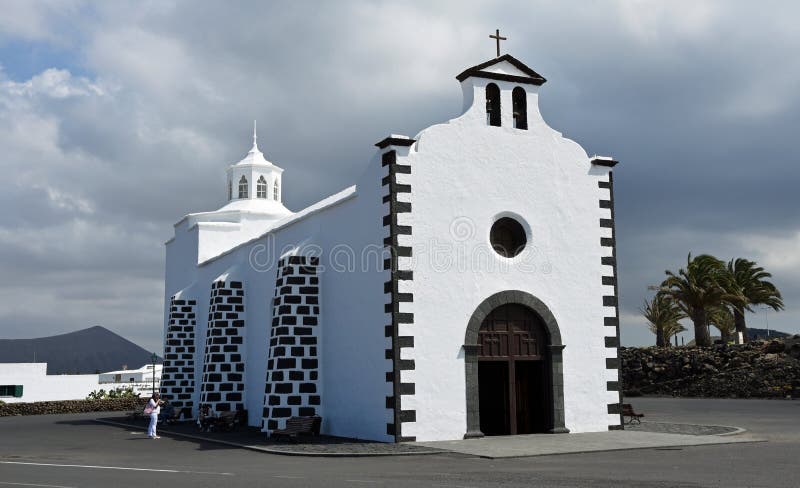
(645, 436)
(74, 451)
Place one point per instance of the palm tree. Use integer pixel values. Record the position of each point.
(673, 330)
(722, 318)
(663, 317)
(698, 287)
(749, 281)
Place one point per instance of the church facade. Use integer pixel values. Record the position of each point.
(465, 285)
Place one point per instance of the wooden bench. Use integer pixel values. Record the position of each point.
(174, 416)
(627, 411)
(230, 420)
(299, 425)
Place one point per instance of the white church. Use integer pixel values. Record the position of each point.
(465, 286)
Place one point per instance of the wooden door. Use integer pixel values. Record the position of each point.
(511, 372)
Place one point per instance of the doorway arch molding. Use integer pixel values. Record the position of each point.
(471, 349)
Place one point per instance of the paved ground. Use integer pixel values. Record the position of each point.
(644, 435)
(256, 440)
(74, 451)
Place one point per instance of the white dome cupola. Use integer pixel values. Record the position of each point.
(254, 183)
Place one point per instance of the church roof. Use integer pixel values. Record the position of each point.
(257, 205)
(504, 68)
(255, 156)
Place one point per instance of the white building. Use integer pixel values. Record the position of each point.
(466, 285)
(29, 382)
(142, 381)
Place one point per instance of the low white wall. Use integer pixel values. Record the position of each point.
(38, 386)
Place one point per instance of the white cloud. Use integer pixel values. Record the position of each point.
(98, 167)
(54, 83)
(779, 254)
(654, 21)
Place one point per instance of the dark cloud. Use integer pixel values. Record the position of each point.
(698, 100)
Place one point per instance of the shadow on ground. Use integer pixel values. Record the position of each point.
(253, 438)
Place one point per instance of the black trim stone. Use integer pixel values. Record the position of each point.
(533, 78)
(391, 289)
(613, 321)
(504, 77)
(604, 162)
(177, 377)
(394, 141)
(293, 343)
(224, 363)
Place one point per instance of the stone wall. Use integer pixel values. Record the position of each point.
(292, 383)
(177, 378)
(758, 369)
(72, 406)
(222, 384)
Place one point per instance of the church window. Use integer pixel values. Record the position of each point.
(230, 190)
(275, 191)
(243, 193)
(507, 237)
(520, 103)
(261, 188)
(493, 105)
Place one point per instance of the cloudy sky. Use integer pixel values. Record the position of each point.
(117, 118)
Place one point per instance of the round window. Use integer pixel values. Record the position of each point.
(507, 237)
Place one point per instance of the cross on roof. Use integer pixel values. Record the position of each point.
(498, 38)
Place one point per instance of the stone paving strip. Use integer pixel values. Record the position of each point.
(324, 446)
(549, 444)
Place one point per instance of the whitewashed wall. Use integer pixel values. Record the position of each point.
(464, 172)
(465, 175)
(353, 363)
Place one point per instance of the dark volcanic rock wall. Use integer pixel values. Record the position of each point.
(757, 369)
(72, 406)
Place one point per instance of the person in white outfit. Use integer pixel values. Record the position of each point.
(154, 407)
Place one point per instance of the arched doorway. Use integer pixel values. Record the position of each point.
(513, 372)
(513, 367)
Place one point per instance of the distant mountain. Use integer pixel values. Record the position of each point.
(85, 351)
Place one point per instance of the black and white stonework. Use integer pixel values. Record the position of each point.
(292, 387)
(223, 368)
(177, 376)
(397, 241)
(611, 321)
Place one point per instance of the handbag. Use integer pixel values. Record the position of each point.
(148, 410)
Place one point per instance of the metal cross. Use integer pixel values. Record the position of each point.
(497, 38)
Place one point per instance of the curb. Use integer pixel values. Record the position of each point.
(750, 441)
(735, 431)
(277, 451)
